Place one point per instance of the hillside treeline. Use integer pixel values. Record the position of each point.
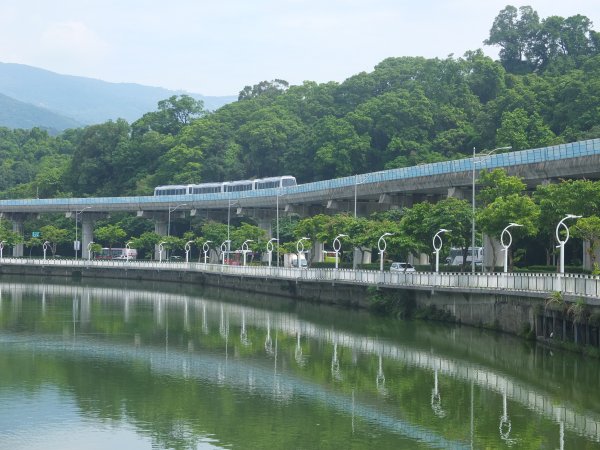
(544, 90)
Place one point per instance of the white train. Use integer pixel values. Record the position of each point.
(227, 186)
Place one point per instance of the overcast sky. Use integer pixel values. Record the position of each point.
(218, 47)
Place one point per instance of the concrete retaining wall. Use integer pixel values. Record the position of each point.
(512, 314)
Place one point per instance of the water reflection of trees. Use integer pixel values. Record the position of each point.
(353, 362)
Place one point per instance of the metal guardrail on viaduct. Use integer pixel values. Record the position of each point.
(574, 160)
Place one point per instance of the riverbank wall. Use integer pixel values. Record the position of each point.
(518, 314)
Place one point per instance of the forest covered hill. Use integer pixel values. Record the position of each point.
(543, 90)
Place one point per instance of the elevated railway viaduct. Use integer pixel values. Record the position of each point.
(360, 194)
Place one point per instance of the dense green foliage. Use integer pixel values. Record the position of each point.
(544, 90)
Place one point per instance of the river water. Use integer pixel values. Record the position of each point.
(140, 366)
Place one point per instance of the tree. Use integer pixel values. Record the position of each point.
(339, 150)
(496, 183)
(588, 228)
(94, 164)
(514, 30)
(110, 234)
(504, 209)
(145, 242)
(423, 220)
(580, 197)
(248, 231)
(173, 114)
(54, 236)
(264, 88)
(522, 130)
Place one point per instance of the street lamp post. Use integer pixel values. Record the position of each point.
(89, 249)
(561, 243)
(437, 247)
(76, 243)
(300, 249)
(205, 250)
(161, 247)
(484, 154)
(337, 246)
(188, 247)
(382, 245)
(45, 247)
(270, 249)
(128, 251)
(245, 249)
(224, 246)
(506, 245)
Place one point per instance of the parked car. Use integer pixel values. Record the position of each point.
(402, 267)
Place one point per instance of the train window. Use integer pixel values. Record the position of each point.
(267, 184)
(289, 182)
(206, 189)
(247, 186)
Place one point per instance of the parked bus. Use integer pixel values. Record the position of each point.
(456, 256)
(117, 253)
(329, 256)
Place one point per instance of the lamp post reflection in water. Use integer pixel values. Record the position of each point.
(300, 358)
(268, 340)
(243, 333)
(380, 380)
(204, 322)
(505, 425)
(436, 398)
(335, 364)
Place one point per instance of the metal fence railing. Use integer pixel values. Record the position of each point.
(576, 285)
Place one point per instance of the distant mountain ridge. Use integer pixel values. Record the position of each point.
(64, 101)
(16, 114)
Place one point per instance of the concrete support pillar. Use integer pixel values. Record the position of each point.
(160, 228)
(587, 256)
(364, 256)
(87, 235)
(421, 260)
(456, 192)
(493, 256)
(17, 227)
(318, 253)
(265, 223)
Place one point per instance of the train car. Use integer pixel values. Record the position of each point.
(274, 182)
(238, 186)
(228, 186)
(205, 188)
(179, 189)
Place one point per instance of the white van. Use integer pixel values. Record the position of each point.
(402, 267)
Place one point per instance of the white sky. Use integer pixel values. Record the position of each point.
(218, 47)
